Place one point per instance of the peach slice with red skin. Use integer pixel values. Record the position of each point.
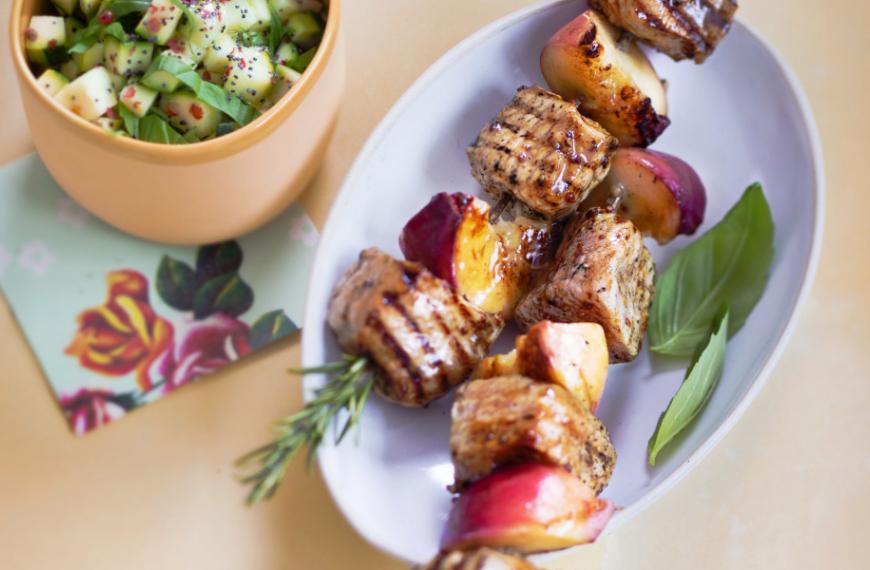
(489, 263)
(572, 355)
(613, 82)
(526, 507)
(661, 194)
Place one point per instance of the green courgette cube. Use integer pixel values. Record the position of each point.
(90, 95)
(305, 29)
(90, 58)
(51, 81)
(44, 33)
(127, 58)
(217, 58)
(187, 113)
(138, 98)
(250, 75)
(159, 22)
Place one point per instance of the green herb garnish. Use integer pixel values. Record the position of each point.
(728, 265)
(154, 129)
(701, 378)
(131, 121)
(348, 389)
(235, 108)
(276, 30)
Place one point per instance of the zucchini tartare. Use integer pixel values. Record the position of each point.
(172, 71)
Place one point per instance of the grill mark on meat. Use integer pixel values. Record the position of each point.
(390, 342)
(391, 299)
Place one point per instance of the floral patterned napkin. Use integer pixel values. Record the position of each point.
(117, 322)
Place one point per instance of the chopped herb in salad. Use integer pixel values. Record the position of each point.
(172, 71)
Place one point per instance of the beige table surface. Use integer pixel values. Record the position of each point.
(789, 487)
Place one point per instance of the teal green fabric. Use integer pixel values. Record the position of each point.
(170, 319)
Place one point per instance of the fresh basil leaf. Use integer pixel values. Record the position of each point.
(154, 129)
(83, 39)
(191, 136)
(728, 265)
(701, 378)
(276, 29)
(209, 93)
(131, 121)
(158, 112)
(115, 30)
(120, 8)
(300, 63)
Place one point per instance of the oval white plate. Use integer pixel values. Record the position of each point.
(738, 118)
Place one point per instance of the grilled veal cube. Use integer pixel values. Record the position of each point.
(603, 273)
(511, 419)
(543, 152)
(423, 336)
(680, 29)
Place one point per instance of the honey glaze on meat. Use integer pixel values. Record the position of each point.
(683, 29)
(603, 273)
(512, 419)
(543, 152)
(423, 337)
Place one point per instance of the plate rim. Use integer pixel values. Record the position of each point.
(786, 330)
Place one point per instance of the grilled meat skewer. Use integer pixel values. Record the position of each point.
(543, 152)
(423, 336)
(511, 419)
(603, 274)
(683, 29)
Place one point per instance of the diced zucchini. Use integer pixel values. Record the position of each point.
(286, 79)
(90, 95)
(250, 75)
(70, 69)
(159, 22)
(244, 15)
(204, 26)
(164, 81)
(90, 58)
(286, 54)
(65, 7)
(43, 34)
(217, 58)
(128, 58)
(187, 113)
(89, 7)
(71, 26)
(138, 98)
(51, 81)
(304, 29)
(287, 7)
(118, 81)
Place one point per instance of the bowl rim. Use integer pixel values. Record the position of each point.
(218, 147)
(786, 329)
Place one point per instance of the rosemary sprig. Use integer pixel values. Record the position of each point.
(348, 389)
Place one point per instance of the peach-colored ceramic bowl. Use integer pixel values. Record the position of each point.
(197, 193)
